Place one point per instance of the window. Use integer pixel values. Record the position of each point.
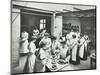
(42, 23)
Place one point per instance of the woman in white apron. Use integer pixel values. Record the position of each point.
(47, 43)
(55, 46)
(74, 51)
(83, 48)
(64, 52)
(24, 43)
(23, 50)
(30, 63)
(41, 60)
(43, 53)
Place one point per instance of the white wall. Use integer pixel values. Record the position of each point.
(15, 36)
(58, 26)
(53, 24)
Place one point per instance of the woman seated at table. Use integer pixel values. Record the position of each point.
(55, 47)
(64, 52)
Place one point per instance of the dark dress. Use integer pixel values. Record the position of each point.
(77, 58)
(37, 42)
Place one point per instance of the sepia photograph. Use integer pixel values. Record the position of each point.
(52, 37)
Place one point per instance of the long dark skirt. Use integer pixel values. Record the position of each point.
(85, 54)
(77, 58)
(37, 42)
(47, 69)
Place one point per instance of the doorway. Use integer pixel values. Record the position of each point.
(38, 20)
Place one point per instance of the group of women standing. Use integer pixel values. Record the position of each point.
(78, 46)
(42, 45)
(36, 48)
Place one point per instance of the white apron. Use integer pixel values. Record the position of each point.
(32, 47)
(81, 51)
(30, 64)
(74, 50)
(47, 43)
(24, 47)
(63, 52)
(56, 48)
(74, 53)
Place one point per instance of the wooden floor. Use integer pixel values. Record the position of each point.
(83, 65)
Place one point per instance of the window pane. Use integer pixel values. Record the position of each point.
(44, 20)
(41, 21)
(41, 26)
(44, 25)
